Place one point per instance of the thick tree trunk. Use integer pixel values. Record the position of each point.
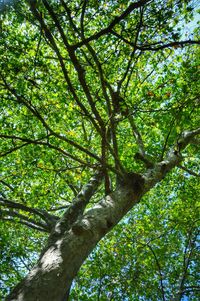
(51, 278)
(60, 261)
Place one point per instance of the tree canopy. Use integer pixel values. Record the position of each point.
(99, 147)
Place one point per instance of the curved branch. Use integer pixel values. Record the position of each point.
(156, 46)
(49, 219)
(21, 218)
(186, 262)
(177, 44)
(137, 135)
(187, 137)
(192, 173)
(116, 20)
(39, 142)
(159, 271)
(172, 159)
(13, 149)
(34, 111)
(24, 223)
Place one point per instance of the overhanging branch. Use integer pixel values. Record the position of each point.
(116, 20)
(192, 173)
(49, 220)
(158, 45)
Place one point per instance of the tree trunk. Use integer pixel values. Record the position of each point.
(51, 278)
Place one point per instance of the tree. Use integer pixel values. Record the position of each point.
(99, 115)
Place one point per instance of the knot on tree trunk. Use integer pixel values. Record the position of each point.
(133, 180)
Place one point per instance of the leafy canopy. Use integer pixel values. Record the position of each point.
(89, 84)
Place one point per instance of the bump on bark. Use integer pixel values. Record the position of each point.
(133, 180)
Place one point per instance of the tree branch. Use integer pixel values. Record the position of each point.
(79, 204)
(34, 111)
(186, 262)
(189, 171)
(116, 20)
(172, 159)
(39, 142)
(137, 135)
(22, 219)
(159, 271)
(134, 49)
(156, 46)
(34, 227)
(49, 219)
(177, 44)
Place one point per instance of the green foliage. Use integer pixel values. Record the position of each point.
(56, 132)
